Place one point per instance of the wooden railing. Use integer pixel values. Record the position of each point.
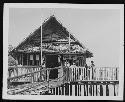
(35, 84)
(26, 74)
(70, 81)
(92, 74)
(30, 74)
(98, 81)
(37, 73)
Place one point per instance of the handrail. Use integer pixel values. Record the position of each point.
(29, 88)
(48, 69)
(10, 67)
(34, 72)
(45, 67)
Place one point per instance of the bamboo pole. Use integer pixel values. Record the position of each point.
(69, 42)
(41, 42)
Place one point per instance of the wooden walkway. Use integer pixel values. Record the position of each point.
(37, 87)
(71, 82)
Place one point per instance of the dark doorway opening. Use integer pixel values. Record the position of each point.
(51, 62)
(24, 59)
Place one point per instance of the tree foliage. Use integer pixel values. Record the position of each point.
(11, 60)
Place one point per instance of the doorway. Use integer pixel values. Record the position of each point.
(51, 62)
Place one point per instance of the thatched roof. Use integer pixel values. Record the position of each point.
(55, 39)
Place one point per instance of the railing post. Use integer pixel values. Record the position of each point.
(48, 71)
(93, 88)
(63, 89)
(87, 88)
(41, 74)
(84, 73)
(107, 90)
(70, 89)
(101, 90)
(82, 90)
(104, 89)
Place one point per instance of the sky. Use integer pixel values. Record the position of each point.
(97, 29)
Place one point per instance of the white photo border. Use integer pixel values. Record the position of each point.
(7, 6)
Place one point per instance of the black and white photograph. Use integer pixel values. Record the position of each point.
(63, 51)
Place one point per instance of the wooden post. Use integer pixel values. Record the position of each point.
(22, 58)
(116, 74)
(41, 42)
(41, 50)
(107, 90)
(69, 42)
(73, 90)
(27, 59)
(104, 89)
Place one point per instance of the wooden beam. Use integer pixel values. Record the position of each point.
(63, 53)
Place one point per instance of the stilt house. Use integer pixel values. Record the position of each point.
(58, 47)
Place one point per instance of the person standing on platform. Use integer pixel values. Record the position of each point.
(92, 66)
(72, 71)
(86, 71)
(66, 70)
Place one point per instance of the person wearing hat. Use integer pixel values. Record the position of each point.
(92, 64)
(92, 69)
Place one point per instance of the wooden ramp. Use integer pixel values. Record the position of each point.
(37, 88)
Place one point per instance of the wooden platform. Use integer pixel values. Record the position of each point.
(69, 79)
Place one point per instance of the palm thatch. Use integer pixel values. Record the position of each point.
(55, 39)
